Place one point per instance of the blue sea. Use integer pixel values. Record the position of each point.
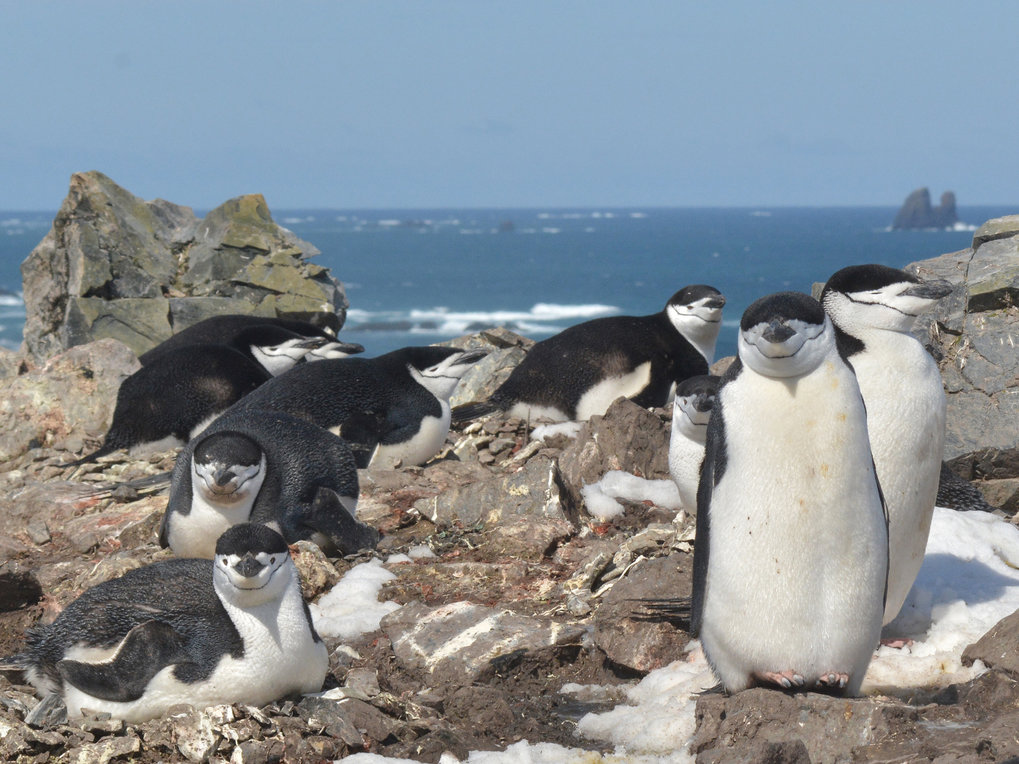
(421, 276)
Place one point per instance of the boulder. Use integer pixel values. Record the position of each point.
(973, 334)
(917, 212)
(116, 266)
(61, 403)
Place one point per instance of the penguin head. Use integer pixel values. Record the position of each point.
(695, 397)
(438, 369)
(864, 297)
(252, 565)
(784, 335)
(275, 348)
(695, 311)
(227, 468)
(333, 350)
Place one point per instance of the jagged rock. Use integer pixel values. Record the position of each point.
(627, 437)
(116, 266)
(996, 228)
(532, 490)
(506, 350)
(454, 643)
(636, 624)
(998, 648)
(916, 211)
(64, 401)
(973, 333)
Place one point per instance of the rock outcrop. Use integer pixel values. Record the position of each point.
(116, 266)
(917, 212)
(974, 334)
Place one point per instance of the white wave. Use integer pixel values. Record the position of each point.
(550, 229)
(960, 226)
(12, 300)
(638, 214)
(542, 318)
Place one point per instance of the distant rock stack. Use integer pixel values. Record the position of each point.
(917, 212)
(116, 266)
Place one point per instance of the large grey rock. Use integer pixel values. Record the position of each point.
(974, 333)
(917, 212)
(506, 350)
(116, 266)
(627, 437)
(454, 643)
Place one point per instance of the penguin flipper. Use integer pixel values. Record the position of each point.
(146, 650)
(467, 411)
(362, 431)
(329, 517)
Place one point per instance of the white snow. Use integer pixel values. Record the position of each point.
(600, 498)
(352, 606)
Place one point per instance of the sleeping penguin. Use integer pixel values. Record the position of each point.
(579, 372)
(177, 395)
(393, 410)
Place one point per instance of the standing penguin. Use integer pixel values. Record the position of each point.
(175, 396)
(223, 330)
(392, 410)
(873, 308)
(691, 412)
(579, 372)
(791, 552)
(203, 632)
(264, 467)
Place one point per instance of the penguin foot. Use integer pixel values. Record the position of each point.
(786, 679)
(833, 680)
(896, 642)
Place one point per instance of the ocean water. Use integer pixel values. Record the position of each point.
(422, 276)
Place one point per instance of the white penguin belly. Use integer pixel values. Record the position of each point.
(597, 399)
(685, 459)
(195, 534)
(280, 657)
(906, 420)
(421, 447)
(532, 412)
(798, 545)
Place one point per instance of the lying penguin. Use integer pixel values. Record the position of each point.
(691, 411)
(223, 330)
(202, 632)
(393, 410)
(264, 467)
(173, 398)
(579, 372)
(873, 308)
(791, 553)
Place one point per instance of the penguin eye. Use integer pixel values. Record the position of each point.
(272, 560)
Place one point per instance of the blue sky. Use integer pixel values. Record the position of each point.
(380, 104)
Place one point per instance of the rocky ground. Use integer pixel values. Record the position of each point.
(533, 593)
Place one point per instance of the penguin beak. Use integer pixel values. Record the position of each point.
(248, 566)
(471, 356)
(715, 303)
(704, 403)
(929, 290)
(777, 332)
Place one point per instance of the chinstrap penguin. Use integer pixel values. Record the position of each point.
(393, 410)
(691, 411)
(790, 557)
(873, 308)
(175, 396)
(202, 632)
(955, 492)
(264, 467)
(579, 372)
(223, 330)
